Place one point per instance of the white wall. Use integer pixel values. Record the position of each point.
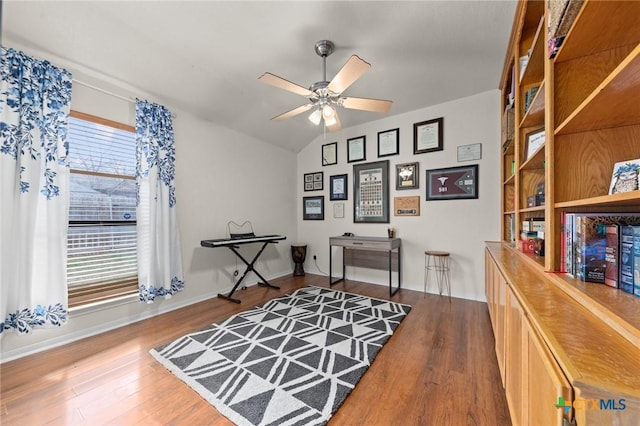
(457, 226)
(220, 176)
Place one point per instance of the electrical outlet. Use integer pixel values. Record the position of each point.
(315, 257)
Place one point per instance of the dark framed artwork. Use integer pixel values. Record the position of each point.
(407, 176)
(428, 135)
(388, 143)
(371, 192)
(313, 208)
(314, 181)
(356, 149)
(330, 154)
(452, 183)
(338, 188)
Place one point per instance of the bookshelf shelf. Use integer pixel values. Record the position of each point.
(534, 72)
(628, 199)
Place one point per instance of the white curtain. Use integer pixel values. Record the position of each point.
(35, 99)
(159, 257)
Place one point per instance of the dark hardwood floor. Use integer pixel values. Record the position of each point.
(439, 368)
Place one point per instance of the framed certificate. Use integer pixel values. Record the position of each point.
(356, 149)
(388, 142)
(330, 154)
(338, 187)
(313, 208)
(427, 136)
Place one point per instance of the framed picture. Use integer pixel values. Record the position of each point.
(534, 141)
(330, 154)
(338, 210)
(371, 192)
(470, 152)
(407, 176)
(314, 181)
(388, 143)
(427, 136)
(452, 183)
(357, 149)
(406, 206)
(313, 208)
(338, 189)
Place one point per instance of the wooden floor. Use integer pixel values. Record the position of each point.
(439, 368)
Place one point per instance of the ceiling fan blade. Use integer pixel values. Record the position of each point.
(293, 112)
(365, 104)
(336, 126)
(281, 83)
(350, 72)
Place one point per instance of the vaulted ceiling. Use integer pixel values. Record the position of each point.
(204, 57)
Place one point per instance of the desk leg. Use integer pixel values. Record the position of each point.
(391, 291)
(248, 269)
(331, 282)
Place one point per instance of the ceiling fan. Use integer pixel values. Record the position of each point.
(326, 96)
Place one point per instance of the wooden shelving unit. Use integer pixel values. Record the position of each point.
(587, 103)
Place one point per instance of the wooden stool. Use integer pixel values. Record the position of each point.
(438, 262)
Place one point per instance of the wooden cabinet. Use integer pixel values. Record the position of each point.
(553, 350)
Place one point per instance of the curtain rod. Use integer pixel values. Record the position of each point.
(106, 92)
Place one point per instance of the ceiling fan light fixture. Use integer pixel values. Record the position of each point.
(330, 121)
(328, 112)
(315, 117)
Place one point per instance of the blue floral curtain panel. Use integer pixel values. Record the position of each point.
(35, 99)
(159, 258)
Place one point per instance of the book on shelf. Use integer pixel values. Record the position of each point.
(611, 256)
(585, 241)
(636, 262)
(528, 97)
(533, 224)
(627, 257)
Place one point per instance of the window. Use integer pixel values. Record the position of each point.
(101, 247)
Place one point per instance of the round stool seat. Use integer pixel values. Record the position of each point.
(437, 262)
(436, 253)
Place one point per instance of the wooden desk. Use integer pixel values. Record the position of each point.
(368, 252)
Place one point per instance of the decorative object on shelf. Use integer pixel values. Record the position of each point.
(407, 176)
(338, 210)
(371, 192)
(356, 149)
(535, 200)
(338, 188)
(529, 95)
(314, 181)
(330, 154)
(428, 135)
(625, 177)
(388, 143)
(298, 255)
(406, 206)
(452, 183)
(470, 152)
(313, 208)
(534, 141)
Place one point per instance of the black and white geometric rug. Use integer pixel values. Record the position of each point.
(291, 361)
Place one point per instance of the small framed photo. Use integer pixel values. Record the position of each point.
(428, 135)
(330, 154)
(356, 149)
(452, 183)
(534, 140)
(314, 181)
(313, 208)
(338, 210)
(338, 188)
(388, 143)
(407, 176)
